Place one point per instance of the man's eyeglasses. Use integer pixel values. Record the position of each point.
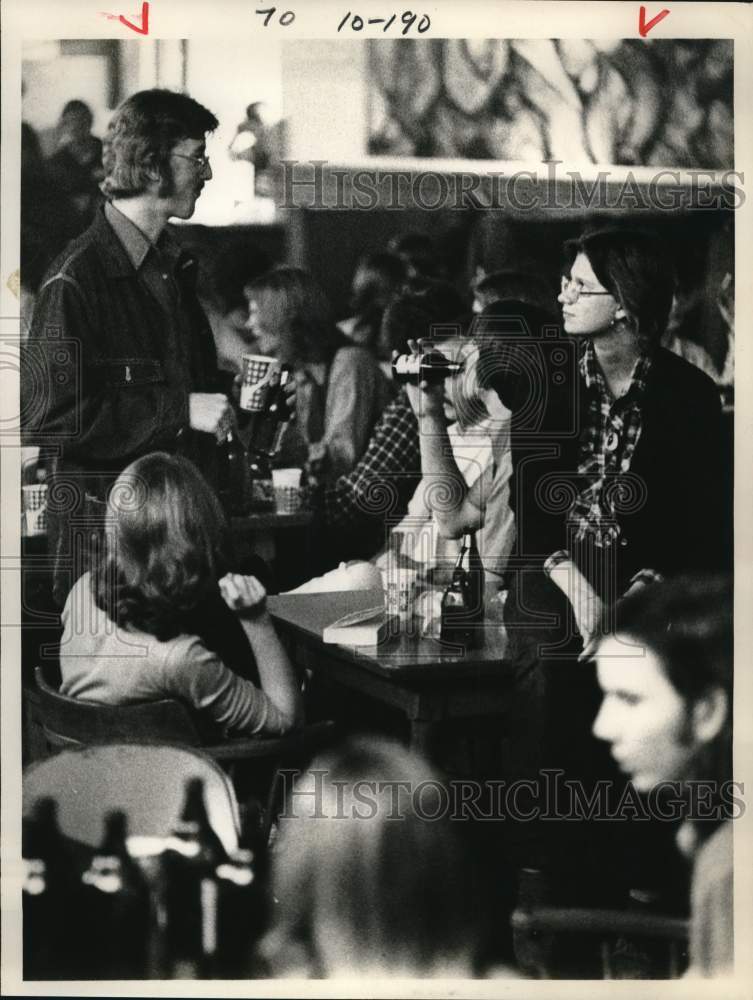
(202, 162)
(574, 291)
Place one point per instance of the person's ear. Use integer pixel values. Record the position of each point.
(620, 313)
(710, 713)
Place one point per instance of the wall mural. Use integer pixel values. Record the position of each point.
(650, 103)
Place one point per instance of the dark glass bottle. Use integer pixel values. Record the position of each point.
(53, 947)
(261, 489)
(462, 608)
(233, 476)
(270, 424)
(432, 367)
(117, 906)
(189, 890)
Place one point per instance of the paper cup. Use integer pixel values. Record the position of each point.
(288, 499)
(401, 592)
(34, 500)
(257, 372)
(287, 478)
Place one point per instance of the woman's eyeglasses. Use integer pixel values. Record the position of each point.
(574, 291)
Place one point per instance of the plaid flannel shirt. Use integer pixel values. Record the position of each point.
(393, 453)
(607, 444)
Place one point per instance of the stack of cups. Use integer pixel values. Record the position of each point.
(401, 582)
(288, 494)
(34, 499)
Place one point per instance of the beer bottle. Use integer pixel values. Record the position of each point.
(53, 947)
(117, 906)
(462, 607)
(233, 476)
(432, 367)
(189, 890)
(260, 486)
(271, 423)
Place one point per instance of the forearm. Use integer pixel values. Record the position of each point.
(447, 493)
(276, 673)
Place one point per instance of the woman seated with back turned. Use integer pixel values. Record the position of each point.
(341, 391)
(130, 626)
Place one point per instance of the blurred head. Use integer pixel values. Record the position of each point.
(665, 670)
(156, 143)
(367, 883)
(519, 286)
(76, 120)
(424, 309)
(164, 548)
(377, 279)
(514, 356)
(615, 276)
(418, 254)
(290, 316)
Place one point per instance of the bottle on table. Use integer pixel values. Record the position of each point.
(432, 367)
(462, 608)
(261, 488)
(189, 891)
(53, 947)
(233, 487)
(117, 907)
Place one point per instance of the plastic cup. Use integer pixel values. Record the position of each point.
(34, 499)
(288, 492)
(257, 374)
(401, 592)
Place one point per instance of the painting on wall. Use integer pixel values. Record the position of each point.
(636, 103)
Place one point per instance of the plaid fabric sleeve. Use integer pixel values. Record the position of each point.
(392, 457)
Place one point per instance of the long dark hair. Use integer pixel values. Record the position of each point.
(294, 305)
(165, 547)
(636, 268)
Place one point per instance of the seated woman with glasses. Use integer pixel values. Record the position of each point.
(341, 390)
(621, 484)
(131, 627)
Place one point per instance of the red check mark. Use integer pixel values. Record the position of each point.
(645, 26)
(144, 29)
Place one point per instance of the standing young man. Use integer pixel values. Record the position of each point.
(120, 360)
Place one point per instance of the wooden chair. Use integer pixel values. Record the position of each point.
(553, 942)
(147, 781)
(70, 722)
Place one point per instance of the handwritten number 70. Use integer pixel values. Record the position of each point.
(285, 18)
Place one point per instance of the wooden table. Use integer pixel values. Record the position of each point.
(427, 681)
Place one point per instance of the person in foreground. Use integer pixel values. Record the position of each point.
(370, 873)
(130, 625)
(666, 676)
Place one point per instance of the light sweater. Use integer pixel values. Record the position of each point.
(102, 662)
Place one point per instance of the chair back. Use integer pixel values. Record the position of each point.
(146, 781)
(68, 722)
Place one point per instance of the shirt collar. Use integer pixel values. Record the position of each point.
(593, 377)
(135, 243)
